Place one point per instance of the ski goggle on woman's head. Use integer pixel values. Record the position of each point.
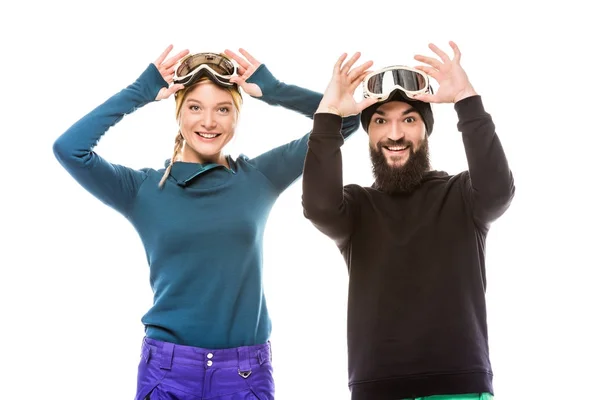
(217, 67)
(380, 84)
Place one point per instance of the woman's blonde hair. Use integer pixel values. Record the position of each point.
(180, 96)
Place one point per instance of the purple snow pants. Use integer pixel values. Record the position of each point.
(169, 371)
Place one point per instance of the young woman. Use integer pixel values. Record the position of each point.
(201, 220)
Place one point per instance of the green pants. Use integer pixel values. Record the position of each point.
(483, 396)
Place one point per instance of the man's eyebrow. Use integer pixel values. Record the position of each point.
(405, 112)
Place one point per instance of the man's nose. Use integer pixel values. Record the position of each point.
(396, 132)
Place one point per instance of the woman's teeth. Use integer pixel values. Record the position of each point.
(207, 135)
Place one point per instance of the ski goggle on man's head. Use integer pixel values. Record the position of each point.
(217, 67)
(380, 84)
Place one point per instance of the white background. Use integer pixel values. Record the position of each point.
(74, 281)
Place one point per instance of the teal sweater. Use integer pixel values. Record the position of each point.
(203, 232)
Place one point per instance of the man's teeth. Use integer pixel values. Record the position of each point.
(396, 148)
(208, 135)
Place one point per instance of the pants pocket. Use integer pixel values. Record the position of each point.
(260, 381)
(148, 378)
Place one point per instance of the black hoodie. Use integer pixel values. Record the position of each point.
(416, 262)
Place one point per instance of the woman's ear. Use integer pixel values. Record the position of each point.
(236, 120)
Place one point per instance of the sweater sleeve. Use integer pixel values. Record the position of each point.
(490, 187)
(114, 185)
(283, 165)
(326, 203)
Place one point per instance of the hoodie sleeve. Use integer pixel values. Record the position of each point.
(329, 206)
(115, 185)
(489, 186)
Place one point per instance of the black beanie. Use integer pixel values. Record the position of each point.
(423, 108)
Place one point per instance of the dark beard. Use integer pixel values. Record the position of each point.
(402, 179)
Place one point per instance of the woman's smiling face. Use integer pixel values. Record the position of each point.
(207, 121)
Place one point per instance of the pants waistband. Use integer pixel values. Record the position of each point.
(170, 353)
